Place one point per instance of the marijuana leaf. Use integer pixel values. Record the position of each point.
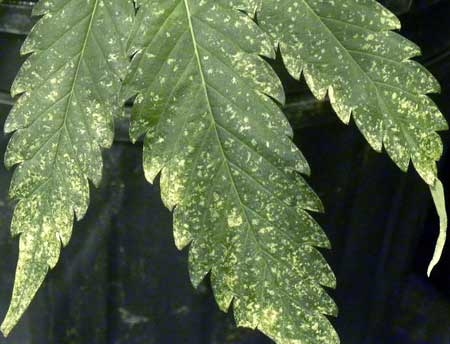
(64, 117)
(229, 169)
(347, 48)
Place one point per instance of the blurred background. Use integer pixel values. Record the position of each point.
(121, 279)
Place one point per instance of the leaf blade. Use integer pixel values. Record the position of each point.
(228, 167)
(56, 142)
(347, 49)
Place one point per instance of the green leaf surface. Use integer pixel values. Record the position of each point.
(228, 168)
(63, 118)
(346, 48)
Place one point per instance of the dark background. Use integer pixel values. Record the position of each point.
(121, 279)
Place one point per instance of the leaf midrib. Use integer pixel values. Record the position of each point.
(208, 103)
(77, 71)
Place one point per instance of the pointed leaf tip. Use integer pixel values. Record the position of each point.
(437, 192)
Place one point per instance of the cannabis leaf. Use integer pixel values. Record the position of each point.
(228, 167)
(347, 48)
(61, 121)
